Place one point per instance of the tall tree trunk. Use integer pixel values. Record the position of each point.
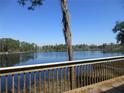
(66, 29)
(68, 40)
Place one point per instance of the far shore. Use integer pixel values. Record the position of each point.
(19, 52)
(6, 53)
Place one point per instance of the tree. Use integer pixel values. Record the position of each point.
(66, 30)
(11, 45)
(119, 29)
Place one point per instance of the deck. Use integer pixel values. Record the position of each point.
(115, 85)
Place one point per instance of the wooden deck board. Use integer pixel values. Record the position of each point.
(115, 85)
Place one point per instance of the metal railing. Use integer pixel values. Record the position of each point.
(59, 77)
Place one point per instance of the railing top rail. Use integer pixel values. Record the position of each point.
(57, 64)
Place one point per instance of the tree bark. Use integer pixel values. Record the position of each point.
(66, 29)
(68, 41)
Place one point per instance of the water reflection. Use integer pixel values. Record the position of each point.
(49, 57)
(8, 60)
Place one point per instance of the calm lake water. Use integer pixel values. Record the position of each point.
(49, 57)
(43, 57)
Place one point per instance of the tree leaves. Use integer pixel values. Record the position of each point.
(119, 29)
(12, 45)
(31, 4)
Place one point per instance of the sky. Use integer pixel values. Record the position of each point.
(91, 21)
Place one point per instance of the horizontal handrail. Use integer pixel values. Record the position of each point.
(59, 77)
(36, 67)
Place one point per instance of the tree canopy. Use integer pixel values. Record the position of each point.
(31, 4)
(119, 29)
(105, 47)
(11, 45)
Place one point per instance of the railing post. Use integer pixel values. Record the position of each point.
(78, 76)
(24, 85)
(39, 77)
(30, 82)
(68, 78)
(18, 83)
(61, 75)
(57, 81)
(13, 84)
(44, 73)
(49, 81)
(81, 79)
(64, 79)
(72, 77)
(34, 82)
(6, 83)
(0, 84)
(53, 81)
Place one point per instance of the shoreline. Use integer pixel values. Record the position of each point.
(6, 53)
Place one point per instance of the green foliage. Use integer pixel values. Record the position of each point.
(119, 29)
(84, 47)
(31, 4)
(11, 45)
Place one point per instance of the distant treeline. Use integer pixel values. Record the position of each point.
(111, 47)
(11, 45)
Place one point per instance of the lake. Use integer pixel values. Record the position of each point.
(42, 57)
(49, 57)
